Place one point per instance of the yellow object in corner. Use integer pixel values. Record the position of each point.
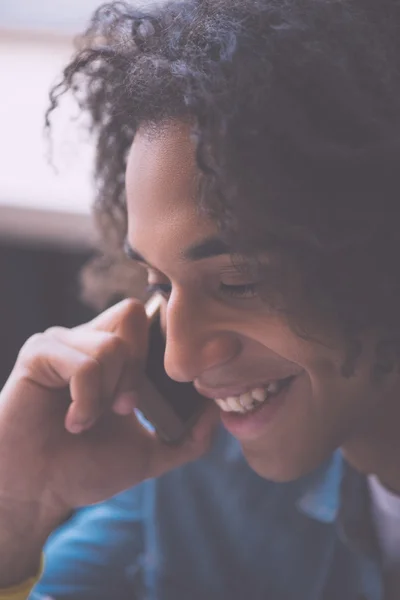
(22, 590)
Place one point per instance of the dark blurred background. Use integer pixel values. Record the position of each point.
(45, 227)
(39, 288)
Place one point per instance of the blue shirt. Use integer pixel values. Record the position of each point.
(215, 530)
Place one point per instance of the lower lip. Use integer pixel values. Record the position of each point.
(250, 425)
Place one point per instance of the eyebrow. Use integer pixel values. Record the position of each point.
(208, 248)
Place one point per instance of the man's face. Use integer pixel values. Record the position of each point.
(297, 406)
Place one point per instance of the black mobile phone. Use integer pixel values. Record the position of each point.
(177, 406)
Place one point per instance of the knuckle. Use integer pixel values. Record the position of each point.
(90, 367)
(132, 308)
(54, 331)
(33, 341)
(133, 304)
(31, 347)
(30, 356)
(112, 346)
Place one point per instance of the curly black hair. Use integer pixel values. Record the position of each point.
(295, 110)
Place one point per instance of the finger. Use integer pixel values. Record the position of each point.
(141, 454)
(87, 395)
(124, 403)
(194, 443)
(129, 322)
(49, 363)
(119, 371)
(128, 392)
(133, 330)
(54, 365)
(163, 457)
(206, 425)
(109, 319)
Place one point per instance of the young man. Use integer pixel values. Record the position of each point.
(260, 141)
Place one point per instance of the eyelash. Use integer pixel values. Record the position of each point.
(244, 291)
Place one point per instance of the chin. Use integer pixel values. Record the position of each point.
(280, 471)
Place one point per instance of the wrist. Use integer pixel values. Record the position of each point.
(23, 534)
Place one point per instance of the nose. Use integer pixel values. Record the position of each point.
(195, 341)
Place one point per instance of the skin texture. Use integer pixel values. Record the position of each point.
(81, 452)
(71, 454)
(217, 340)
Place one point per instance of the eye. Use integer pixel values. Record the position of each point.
(244, 290)
(162, 288)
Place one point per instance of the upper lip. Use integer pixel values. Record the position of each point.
(227, 391)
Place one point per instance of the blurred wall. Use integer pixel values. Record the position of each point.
(65, 15)
(39, 287)
(45, 232)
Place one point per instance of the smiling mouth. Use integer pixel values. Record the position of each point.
(254, 398)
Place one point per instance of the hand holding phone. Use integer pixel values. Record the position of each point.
(57, 410)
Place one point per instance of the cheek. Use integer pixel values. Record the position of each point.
(323, 349)
(314, 421)
(343, 405)
(313, 357)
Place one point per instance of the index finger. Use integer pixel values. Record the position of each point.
(128, 321)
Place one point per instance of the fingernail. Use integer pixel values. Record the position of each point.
(82, 426)
(76, 428)
(123, 405)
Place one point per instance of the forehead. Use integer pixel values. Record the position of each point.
(161, 185)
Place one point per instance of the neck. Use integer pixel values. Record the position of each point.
(376, 449)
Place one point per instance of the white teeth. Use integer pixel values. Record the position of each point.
(237, 404)
(243, 403)
(273, 387)
(246, 401)
(250, 400)
(222, 404)
(259, 394)
(234, 405)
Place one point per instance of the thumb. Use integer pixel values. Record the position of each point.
(164, 457)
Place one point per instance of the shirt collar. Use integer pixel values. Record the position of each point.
(338, 493)
(322, 496)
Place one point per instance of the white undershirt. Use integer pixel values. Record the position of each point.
(385, 507)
